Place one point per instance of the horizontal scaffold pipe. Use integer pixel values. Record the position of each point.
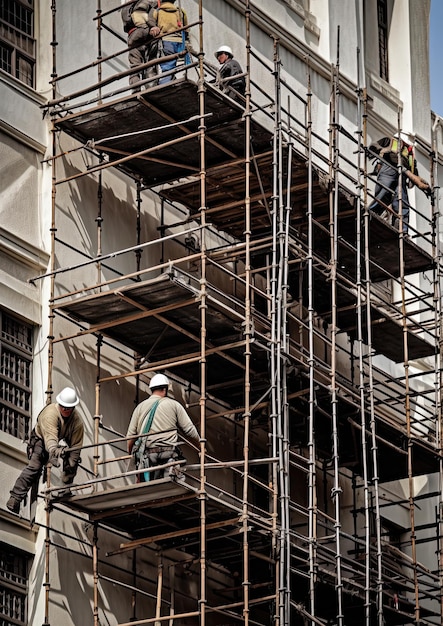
(144, 541)
(112, 255)
(111, 79)
(129, 157)
(190, 358)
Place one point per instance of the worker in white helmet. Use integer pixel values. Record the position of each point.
(230, 77)
(388, 183)
(58, 426)
(161, 417)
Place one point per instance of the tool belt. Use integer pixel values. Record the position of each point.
(156, 449)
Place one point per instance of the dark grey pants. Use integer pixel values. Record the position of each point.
(158, 457)
(142, 50)
(32, 472)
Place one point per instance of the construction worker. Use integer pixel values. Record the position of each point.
(58, 426)
(229, 67)
(161, 417)
(141, 27)
(170, 19)
(387, 186)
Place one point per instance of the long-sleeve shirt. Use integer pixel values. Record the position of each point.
(51, 427)
(230, 68)
(168, 418)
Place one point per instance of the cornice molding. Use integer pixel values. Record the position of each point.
(23, 251)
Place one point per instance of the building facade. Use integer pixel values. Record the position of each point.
(226, 242)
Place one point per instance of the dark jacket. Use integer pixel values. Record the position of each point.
(231, 68)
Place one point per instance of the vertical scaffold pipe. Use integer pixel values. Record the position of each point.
(402, 278)
(438, 323)
(360, 347)
(49, 389)
(99, 218)
(370, 401)
(99, 49)
(333, 233)
(312, 476)
(361, 203)
(274, 369)
(283, 217)
(203, 399)
(248, 321)
(138, 253)
(95, 574)
(53, 207)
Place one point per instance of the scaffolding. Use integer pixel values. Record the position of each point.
(267, 300)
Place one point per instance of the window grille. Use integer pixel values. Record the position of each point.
(14, 570)
(15, 376)
(382, 16)
(17, 43)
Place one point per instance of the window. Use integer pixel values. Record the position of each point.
(14, 568)
(382, 18)
(17, 44)
(15, 376)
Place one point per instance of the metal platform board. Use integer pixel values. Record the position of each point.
(167, 513)
(164, 313)
(225, 202)
(156, 132)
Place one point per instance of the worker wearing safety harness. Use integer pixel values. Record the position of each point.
(171, 20)
(159, 418)
(387, 186)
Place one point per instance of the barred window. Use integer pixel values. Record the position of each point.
(17, 43)
(382, 17)
(14, 571)
(15, 376)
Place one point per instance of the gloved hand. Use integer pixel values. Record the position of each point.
(429, 193)
(56, 454)
(154, 31)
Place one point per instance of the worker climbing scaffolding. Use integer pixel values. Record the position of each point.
(391, 187)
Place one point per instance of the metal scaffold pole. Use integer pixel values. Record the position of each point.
(333, 231)
(49, 390)
(361, 203)
(276, 417)
(203, 335)
(438, 322)
(407, 405)
(247, 329)
(99, 50)
(366, 383)
(312, 454)
(369, 394)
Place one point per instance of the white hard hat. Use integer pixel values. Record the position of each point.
(159, 380)
(225, 49)
(67, 397)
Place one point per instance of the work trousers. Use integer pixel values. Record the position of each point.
(386, 193)
(158, 456)
(32, 472)
(171, 47)
(142, 50)
(38, 458)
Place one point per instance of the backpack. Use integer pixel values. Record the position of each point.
(126, 17)
(126, 14)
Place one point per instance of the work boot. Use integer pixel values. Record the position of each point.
(13, 504)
